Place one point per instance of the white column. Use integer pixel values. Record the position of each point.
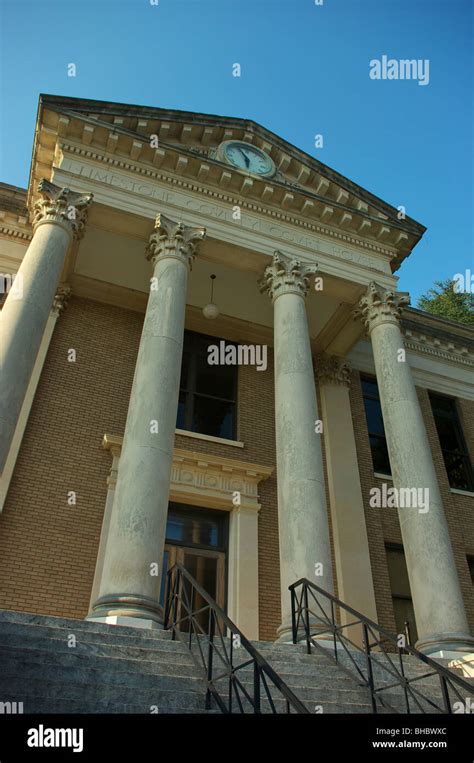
(242, 602)
(58, 217)
(129, 587)
(59, 303)
(305, 550)
(351, 546)
(115, 449)
(437, 600)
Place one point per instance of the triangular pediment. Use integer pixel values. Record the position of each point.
(188, 145)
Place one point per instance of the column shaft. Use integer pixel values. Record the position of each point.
(129, 584)
(437, 599)
(57, 217)
(305, 549)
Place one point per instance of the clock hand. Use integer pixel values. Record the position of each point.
(247, 160)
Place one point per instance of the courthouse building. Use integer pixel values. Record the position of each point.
(149, 239)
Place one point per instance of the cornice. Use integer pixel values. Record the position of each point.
(14, 221)
(201, 477)
(181, 455)
(443, 349)
(13, 232)
(437, 326)
(232, 200)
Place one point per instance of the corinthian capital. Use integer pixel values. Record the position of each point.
(61, 298)
(330, 369)
(172, 239)
(380, 305)
(286, 275)
(61, 206)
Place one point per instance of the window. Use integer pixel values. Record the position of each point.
(202, 528)
(470, 562)
(207, 396)
(373, 414)
(4, 289)
(401, 594)
(456, 457)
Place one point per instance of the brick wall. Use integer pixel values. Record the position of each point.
(48, 548)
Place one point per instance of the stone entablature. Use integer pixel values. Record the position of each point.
(253, 232)
(210, 481)
(444, 349)
(14, 222)
(86, 166)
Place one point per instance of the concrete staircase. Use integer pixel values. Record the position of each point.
(109, 670)
(57, 665)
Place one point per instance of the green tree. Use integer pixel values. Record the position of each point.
(447, 299)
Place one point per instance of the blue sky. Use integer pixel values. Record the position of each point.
(304, 71)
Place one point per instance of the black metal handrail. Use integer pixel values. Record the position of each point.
(214, 651)
(379, 649)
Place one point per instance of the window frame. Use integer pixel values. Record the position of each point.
(368, 396)
(454, 417)
(470, 564)
(196, 341)
(191, 512)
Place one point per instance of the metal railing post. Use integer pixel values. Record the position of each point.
(256, 687)
(370, 675)
(293, 615)
(407, 632)
(306, 619)
(210, 655)
(401, 649)
(444, 690)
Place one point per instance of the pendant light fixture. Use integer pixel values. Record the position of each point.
(211, 310)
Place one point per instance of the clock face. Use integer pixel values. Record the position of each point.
(248, 157)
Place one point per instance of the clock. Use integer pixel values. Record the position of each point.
(247, 157)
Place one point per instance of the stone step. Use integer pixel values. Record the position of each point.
(41, 706)
(381, 667)
(281, 707)
(170, 649)
(27, 618)
(110, 634)
(38, 692)
(98, 676)
(313, 694)
(323, 691)
(72, 659)
(78, 668)
(334, 671)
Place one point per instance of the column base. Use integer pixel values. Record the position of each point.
(318, 632)
(135, 611)
(131, 622)
(446, 646)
